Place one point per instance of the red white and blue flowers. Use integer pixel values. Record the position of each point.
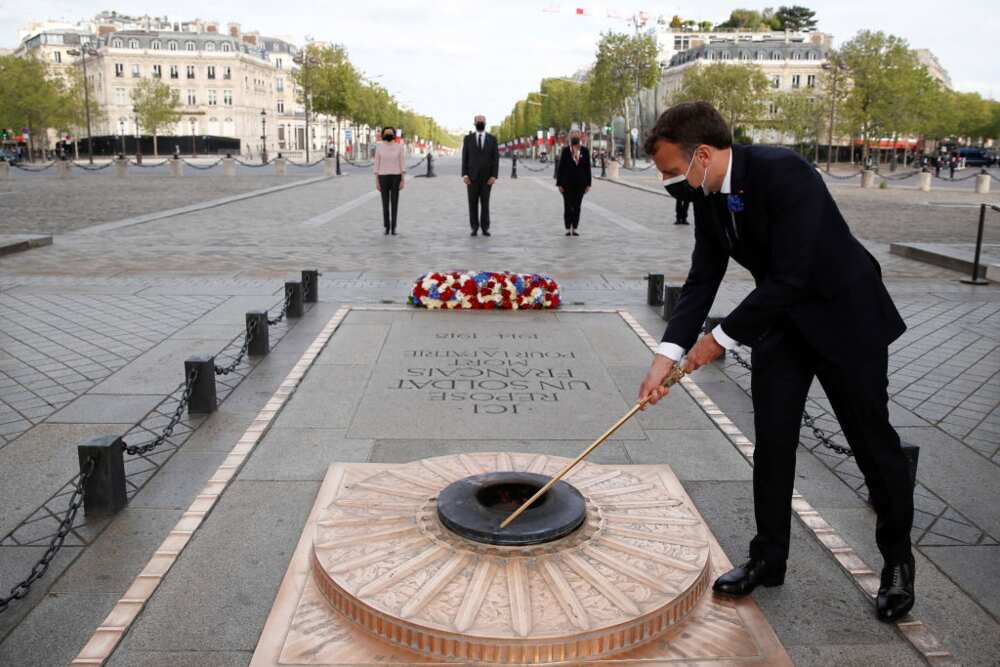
(485, 290)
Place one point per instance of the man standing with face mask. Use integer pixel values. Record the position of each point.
(480, 167)
(819, 310)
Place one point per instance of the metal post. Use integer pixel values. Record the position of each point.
(293, 294)
(338, 158)
(203, 397)
(430, 165)
(671, 295)
(604, 173)
(513, 166)
(104, 491)
(975, 279)
(310, 286)
(86, 102)
(654, 291)
(260, 341)
(713, 321)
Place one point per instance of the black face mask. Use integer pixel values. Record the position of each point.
(575, 141)
(388, 136)
(480, 126)
(681, 189)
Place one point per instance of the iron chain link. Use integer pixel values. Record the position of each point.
(284, 310)
(65, 526)
(203, 166)
(174, 420)
(23, 168)
(247, 339)
(88, 167)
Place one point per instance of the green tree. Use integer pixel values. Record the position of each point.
(30, 98)
(157, 106)
(739, 92)
(624, 65)
(334, 83)
(797, 115)
(795, 19)
(743, 19)
(676, 23)
(74, 116)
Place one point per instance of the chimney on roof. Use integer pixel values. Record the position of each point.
(251, 37)
(212, 27)
(234, 29)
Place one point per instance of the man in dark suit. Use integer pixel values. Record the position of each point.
(480, 167)
(819, 309)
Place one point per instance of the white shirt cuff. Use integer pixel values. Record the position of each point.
(670, 351)
(722, 339)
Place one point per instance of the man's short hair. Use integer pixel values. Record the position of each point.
(690, 124)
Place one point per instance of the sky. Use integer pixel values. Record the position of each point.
(453, 59)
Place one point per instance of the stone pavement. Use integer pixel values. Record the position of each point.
(98, 324)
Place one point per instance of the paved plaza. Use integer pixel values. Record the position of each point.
(147, 271)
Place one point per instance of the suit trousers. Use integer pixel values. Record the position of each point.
(390, 198)
(784, 365)
(572, 202)
(479, 198)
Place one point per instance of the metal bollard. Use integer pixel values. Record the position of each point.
(293, 294)
(121, 168)
(338, 161)
(279, 165)
(260, 343)
(977, 274)
(430, 165)
(868, 178)
(654, 290)
(104, 491)
(310, 286)
(925, 181)
(555, 166)
(176, 167)
(203, 397)
(671, 295)
(513, 166)
(328, 167)
(228, 166)
(983, 182)
(62, 169)
(604, 171)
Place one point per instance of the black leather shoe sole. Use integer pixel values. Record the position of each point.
(735, 590)
(896, 613)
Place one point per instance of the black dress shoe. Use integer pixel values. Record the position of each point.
(486, 233)
(569, 233)
(575, 233)
(680, 222)
(386, 231)
(744, 579)
(895, 595)
(474, 233)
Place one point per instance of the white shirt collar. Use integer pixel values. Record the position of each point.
(727, 185)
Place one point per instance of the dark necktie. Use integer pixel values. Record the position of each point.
(480, 142)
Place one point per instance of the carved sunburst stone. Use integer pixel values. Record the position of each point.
(636, 567)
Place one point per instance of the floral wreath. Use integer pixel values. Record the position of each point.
(485, 290)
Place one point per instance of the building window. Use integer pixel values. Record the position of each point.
(189, 46)
(121, 96)
(279, 85)
(773, 108)
(227, 72)
(133, 44)
(192, 100)
(174, 72)
(171, 45)
(226, 46)
(277, 63)
(776, 55)
(811, 56)
(212, 100)
(210, 46)
(281, 106)
(57, 56)
(211, 71)
(776, 81)
(796, 81)
(157, 71)
(117, 43)
(811, 81)
(227, 97)
(760, 55)
(190, 71)
(136, 73)
(119, 70)
(156, 45)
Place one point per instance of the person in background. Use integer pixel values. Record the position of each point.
(480, 168)
(681, 211)
(573, 179)
(390, 170)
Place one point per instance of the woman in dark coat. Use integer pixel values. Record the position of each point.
(573, 180)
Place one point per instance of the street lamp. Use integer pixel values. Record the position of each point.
(83, 52)
(263, 136)
(138, 137)
(194, 138)
(306, 62)
(121, 133)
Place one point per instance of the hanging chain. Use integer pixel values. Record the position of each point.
(174, 420)
(247, 339)
(284, 309)
(65, 526)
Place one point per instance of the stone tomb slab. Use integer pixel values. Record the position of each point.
(486, 375)
(588, 593)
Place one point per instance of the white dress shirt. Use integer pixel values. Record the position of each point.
(675, 351)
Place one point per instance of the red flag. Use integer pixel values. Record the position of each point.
(580, 11)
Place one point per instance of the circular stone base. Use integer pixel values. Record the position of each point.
(474, 507)
(634, 569)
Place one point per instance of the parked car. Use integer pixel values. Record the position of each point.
(7, 155)
(975, 157)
